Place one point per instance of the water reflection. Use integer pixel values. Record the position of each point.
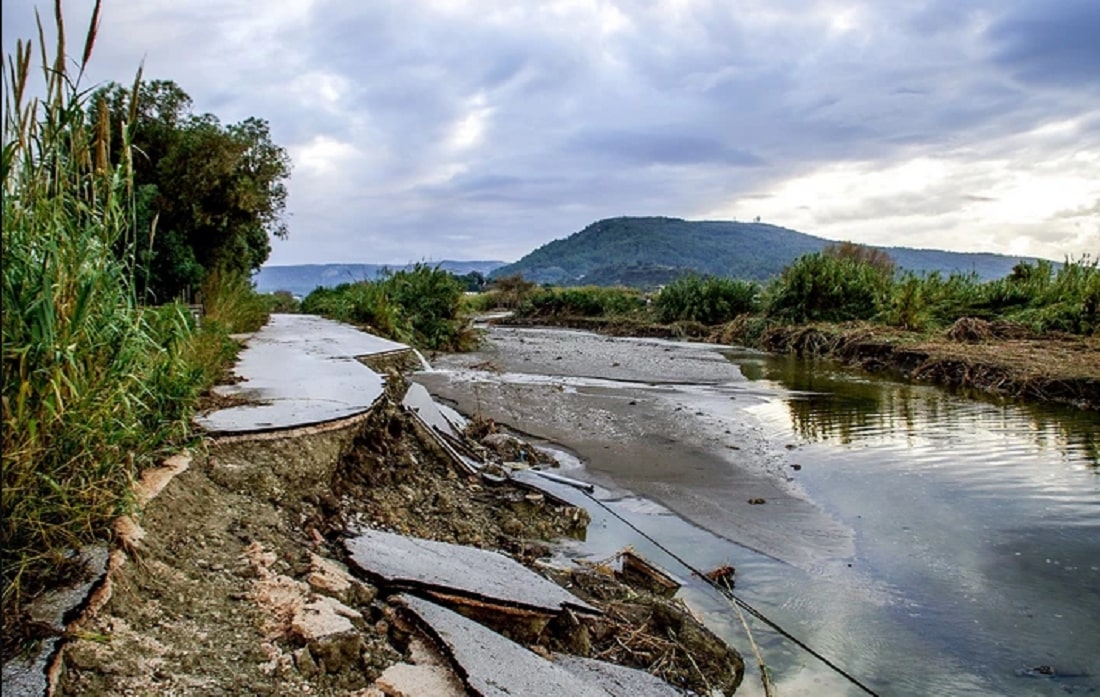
(829, 403)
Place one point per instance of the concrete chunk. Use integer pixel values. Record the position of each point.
(617, 680)
(407, 563)
(493, 666)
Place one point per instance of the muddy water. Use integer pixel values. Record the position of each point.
(925, 542)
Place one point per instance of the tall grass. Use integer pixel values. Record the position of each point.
(94, 386)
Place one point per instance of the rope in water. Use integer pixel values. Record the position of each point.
(728, 593)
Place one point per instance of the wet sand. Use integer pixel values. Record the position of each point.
(669, 421)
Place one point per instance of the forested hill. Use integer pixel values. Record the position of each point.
(652, 251)
(300, 279)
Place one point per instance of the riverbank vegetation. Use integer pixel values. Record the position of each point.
(1034, 333)
(419, 307)
(98, 383)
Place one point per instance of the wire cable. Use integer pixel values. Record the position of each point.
(728, 593)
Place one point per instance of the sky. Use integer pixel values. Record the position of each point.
(482, 129)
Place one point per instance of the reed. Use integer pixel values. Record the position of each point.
(94, 385)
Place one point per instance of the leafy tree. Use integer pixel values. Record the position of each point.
(207, 196)
(861, 254)
(473, 282)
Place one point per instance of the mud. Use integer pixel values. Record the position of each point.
(671, 423)
(237, 585)
(995, 358)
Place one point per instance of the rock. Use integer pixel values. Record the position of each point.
(332, 578)
(322, 618)
(303, 661)
(512, 526)
(337, 653)
(428, 674)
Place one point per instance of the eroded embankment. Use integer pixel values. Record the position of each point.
(995, 358)
(236, 583)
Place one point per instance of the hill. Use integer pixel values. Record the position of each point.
(300, 279)
(652, 251)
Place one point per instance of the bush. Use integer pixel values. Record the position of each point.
(822, 287)
(419, 307)
(586, 301)
(428, 301)
(283, 301)
(709, 300)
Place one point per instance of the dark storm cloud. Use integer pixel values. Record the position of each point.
(1051, 43)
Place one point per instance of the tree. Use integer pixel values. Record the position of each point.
(207, 197)
(861, 254)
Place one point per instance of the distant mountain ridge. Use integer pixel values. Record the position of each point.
(652, 251)
(301, 279)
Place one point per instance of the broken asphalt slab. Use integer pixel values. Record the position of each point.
(29, 676)
(300, 370)
(490, 664)
(619, 681)
(413, 564)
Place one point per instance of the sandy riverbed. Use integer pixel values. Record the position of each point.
(667, 420)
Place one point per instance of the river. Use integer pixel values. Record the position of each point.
(922, 541)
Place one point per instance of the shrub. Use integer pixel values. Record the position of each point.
(585, 301)
(419, 307)
(822, 287)
(709, 300)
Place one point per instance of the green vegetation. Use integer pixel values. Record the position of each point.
(708, 300)
(587, 301)
(419, 307)
(826, 287)
(96, 386)
(650, 252)
(208, 196)
(844, 283)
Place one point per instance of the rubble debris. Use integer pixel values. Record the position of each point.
(722, 575)
(619, 681)
(408, 563)
(639, 572)
(661, 636)
(490, 664)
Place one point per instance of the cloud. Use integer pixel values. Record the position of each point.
(462, 129)
(1051, 43)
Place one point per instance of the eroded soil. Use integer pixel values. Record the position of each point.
(235, 589)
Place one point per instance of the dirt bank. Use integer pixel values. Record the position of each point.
(223, 590)
(995, 358)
